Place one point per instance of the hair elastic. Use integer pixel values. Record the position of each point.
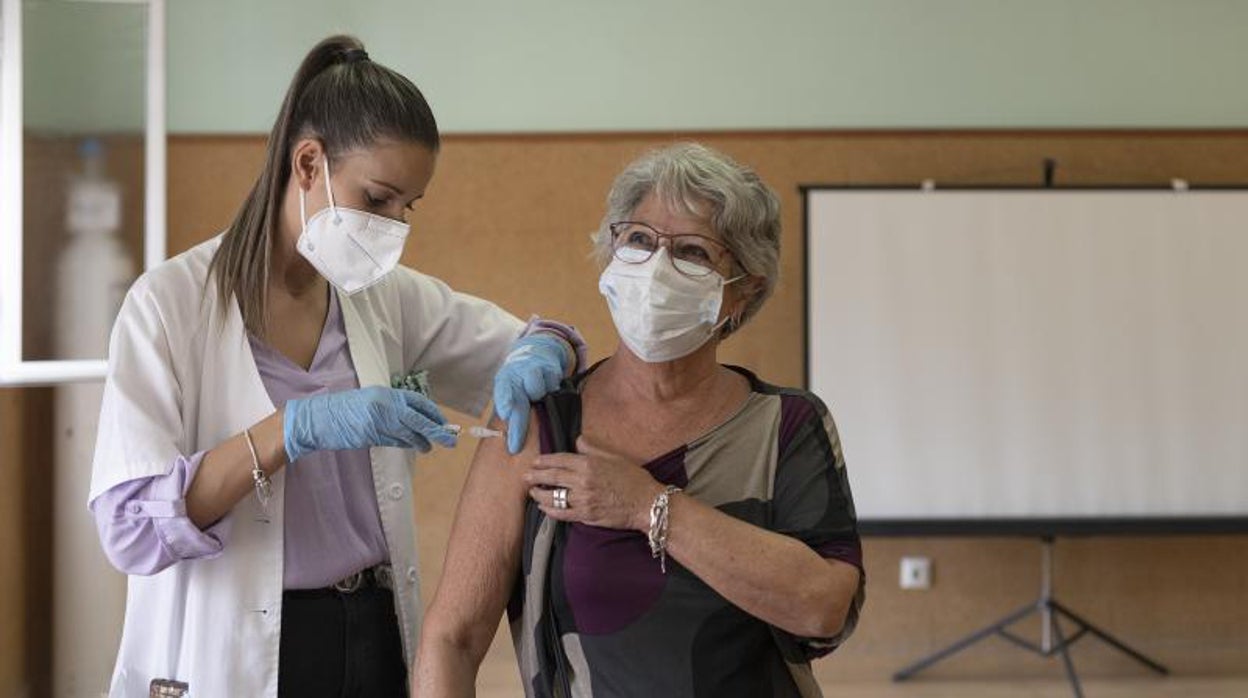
(354, 55)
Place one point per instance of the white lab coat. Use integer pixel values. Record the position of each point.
(181, 379)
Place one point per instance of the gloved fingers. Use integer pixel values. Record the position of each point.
(509, 394)
(427, 429)
(502, 394)
(554, 378)
(534, 381)
(426, 407)
(420, 443)
(410, 438)
(517, 430)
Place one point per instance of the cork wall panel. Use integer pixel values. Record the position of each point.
(12, 546)
(508, 218)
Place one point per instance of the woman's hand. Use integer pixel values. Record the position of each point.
(604, 489)
(363, 418)
(534, 367)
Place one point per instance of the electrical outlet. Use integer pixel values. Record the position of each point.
(916, 573)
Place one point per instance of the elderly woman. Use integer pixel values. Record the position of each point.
(673, 526)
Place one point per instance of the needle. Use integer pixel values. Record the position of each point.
(474, 430)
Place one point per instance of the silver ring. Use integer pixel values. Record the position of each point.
(561, 497)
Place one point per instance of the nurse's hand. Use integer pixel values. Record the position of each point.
(363, 418)
(535, 366)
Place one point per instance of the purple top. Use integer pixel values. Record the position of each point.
(143, 524)
(332, 528)
(332, 524)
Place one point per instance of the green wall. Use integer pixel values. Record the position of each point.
(84, 66)
(591, 65)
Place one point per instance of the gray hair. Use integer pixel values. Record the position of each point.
(699, 181)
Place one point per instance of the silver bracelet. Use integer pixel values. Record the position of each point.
(264, 486)
(658, 525)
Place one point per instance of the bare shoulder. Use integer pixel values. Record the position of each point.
(497, 470)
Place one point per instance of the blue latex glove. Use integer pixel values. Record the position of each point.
(363, 418)
(534, 367)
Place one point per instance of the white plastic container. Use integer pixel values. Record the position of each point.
(93, 273)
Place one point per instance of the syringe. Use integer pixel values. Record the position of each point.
(476, 431)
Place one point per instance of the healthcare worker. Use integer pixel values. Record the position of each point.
(252, 473)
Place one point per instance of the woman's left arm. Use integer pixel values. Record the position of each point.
(771, 576)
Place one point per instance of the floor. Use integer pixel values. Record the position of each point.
(496, 685)
(498, 678)
(1092, 688)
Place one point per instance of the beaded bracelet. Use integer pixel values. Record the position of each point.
(658, 525)
(264, 486)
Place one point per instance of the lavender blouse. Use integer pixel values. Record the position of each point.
(332, 525)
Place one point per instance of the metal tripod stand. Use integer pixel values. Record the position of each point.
(1053, 640)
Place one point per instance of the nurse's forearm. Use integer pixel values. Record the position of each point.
(224, 477)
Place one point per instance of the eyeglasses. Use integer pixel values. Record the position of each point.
(692, 255)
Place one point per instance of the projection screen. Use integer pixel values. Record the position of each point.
(1033, 354)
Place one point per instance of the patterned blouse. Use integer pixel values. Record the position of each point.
(592, 615)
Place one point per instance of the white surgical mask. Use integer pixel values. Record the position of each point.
(660, 313)
(351, 249)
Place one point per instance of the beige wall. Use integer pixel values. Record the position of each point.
(25, 541)
(12, 546)
(507, 219)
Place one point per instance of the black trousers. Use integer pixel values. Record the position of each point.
(337, 645)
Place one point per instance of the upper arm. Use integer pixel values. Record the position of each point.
(483, 553)
(812, 500)
(140, 428)
(461, 340)
(813, 503)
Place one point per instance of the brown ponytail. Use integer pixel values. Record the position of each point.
(347, 101)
